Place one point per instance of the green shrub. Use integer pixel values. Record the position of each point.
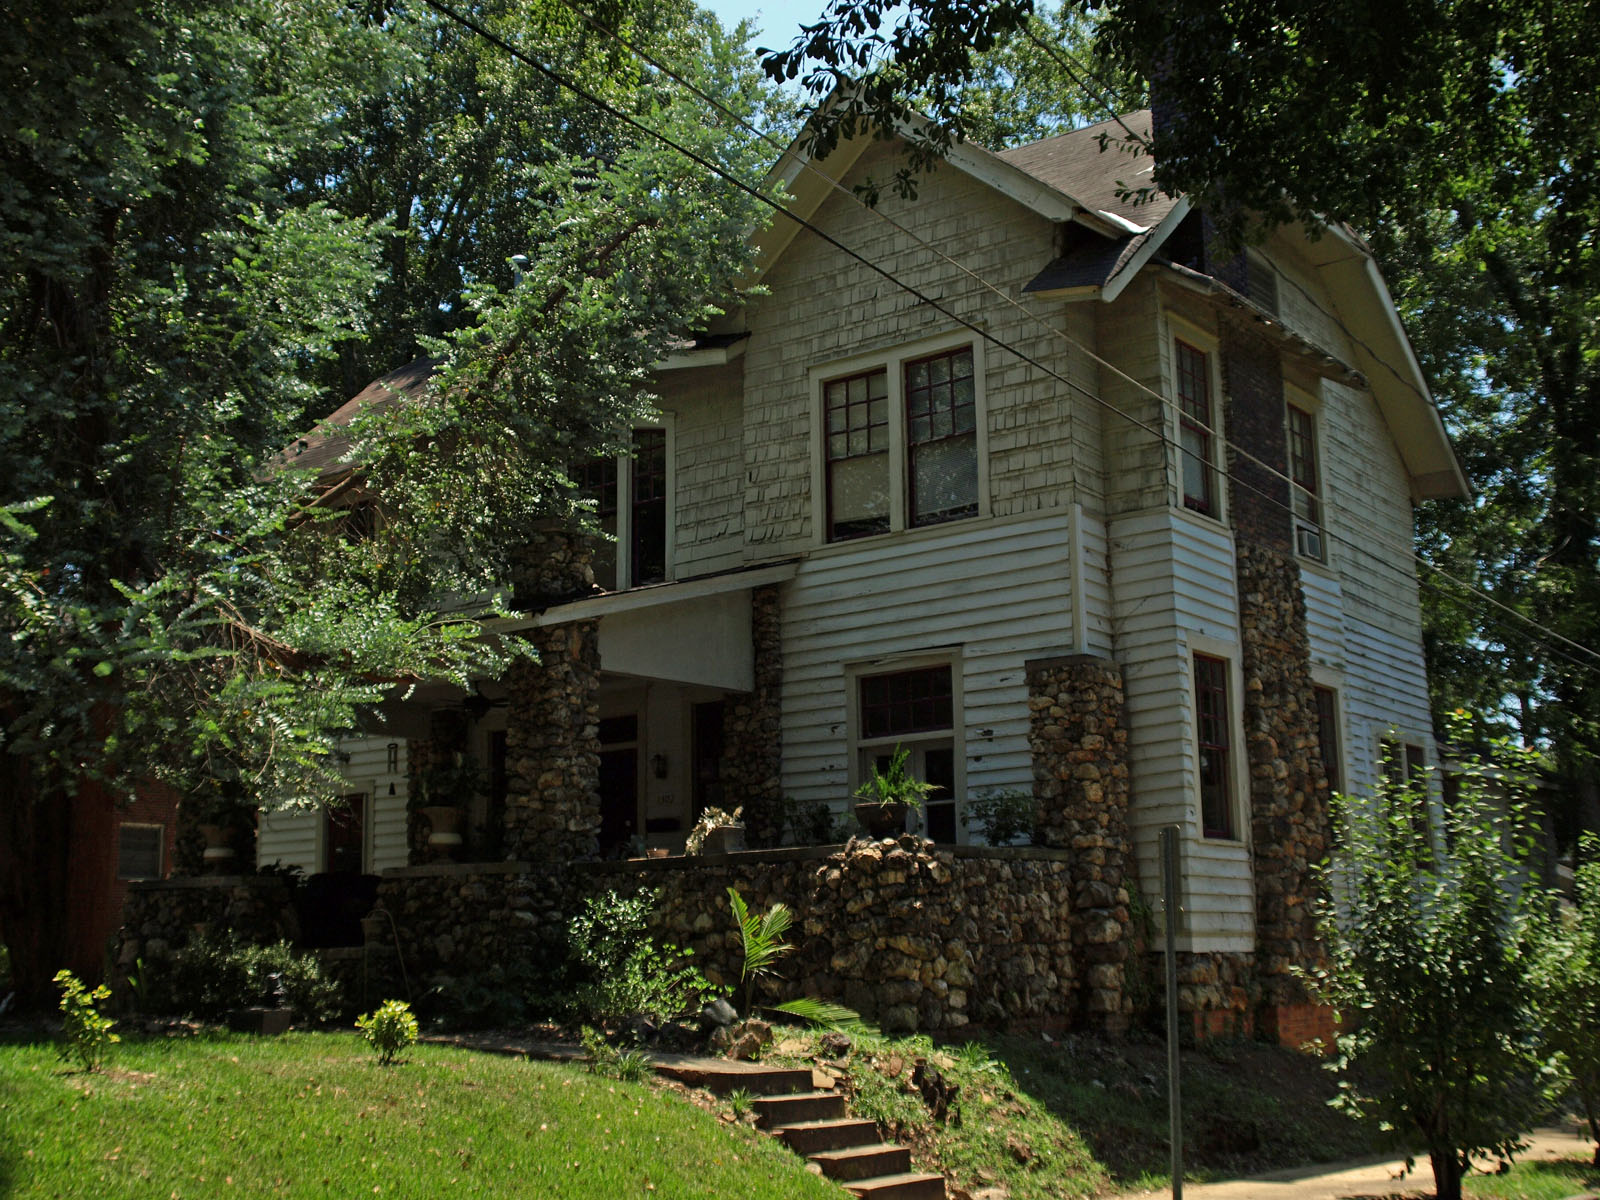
(389, 1029)
(86, 1032)
(1566, 977)
(627, 974)
(1428, 955)
(1003, 815)
(630, 1066)
(214, 975)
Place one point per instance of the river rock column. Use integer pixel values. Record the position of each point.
(1288, 782)
(751, 769)
(552, 809)
(1079, 738)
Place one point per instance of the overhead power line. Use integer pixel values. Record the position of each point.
(561, 80)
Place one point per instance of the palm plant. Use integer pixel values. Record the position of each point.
(761, 936)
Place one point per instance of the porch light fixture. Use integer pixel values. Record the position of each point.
(658, 764)
(394, 761)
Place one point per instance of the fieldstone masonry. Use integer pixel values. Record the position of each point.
(752, 736)
(1288, 783)
(1079, 738)
(915, 937)
(553, 746)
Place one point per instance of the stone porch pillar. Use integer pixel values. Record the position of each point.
(1079, 738)
(751, 769)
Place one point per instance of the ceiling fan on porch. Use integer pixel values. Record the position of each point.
(477, 705)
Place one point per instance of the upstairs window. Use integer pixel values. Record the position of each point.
(1195, 439)
(1302, 432)
(630, 497)
(858, 454)
(1328, 734)
(901, 443)
(941, 421)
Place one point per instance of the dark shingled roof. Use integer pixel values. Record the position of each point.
(324, 448)
(1087, 260)
(1074, 163)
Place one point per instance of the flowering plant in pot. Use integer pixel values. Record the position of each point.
(888, 795)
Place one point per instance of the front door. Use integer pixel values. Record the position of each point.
(619, 783)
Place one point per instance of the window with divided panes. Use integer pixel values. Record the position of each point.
(913, 709)
(1193, 367)
(1302, 430)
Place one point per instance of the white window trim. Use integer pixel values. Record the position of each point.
(625, 503)
(1181, 329)
(1309, 403)
(956, 736)
(893, 361)
(161, 848)
(1238, 767)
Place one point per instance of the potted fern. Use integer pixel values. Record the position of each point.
(888, 796)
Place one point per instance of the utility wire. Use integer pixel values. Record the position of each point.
(1160, 435)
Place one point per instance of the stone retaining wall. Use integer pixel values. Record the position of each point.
(160, 916)
(912, 936)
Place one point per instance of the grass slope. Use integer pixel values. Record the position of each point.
(1082, 1116)
(313, 1115)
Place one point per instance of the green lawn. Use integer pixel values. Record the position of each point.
(1536, 1181)
(313, 1115)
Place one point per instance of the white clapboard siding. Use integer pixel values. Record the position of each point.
(294, 836)
(998, 592)
(1324, 616)
(1386, 687)
(1172, 579)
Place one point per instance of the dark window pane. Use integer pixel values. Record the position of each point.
(906, 702)
(1328, 735)
(649, 558)
(1211, 716)
(1194, 427)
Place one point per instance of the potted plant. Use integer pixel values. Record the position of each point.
(716, 832)
(444, 793)
(885, 799)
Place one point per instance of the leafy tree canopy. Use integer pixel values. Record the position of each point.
(206, 207)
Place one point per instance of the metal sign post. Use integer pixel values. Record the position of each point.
(1169, 895)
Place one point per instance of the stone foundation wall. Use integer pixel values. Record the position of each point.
(160, 916)
(1288, 783)
(913, 937)
(552, 808)
(1079, 739)
(752, 738)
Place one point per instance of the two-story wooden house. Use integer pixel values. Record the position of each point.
(1057, 500)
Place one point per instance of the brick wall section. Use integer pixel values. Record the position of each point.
(914, 937)
(752, 733)
(553, 746)
(1253, 421)
(1288, 784)
(1079, 741)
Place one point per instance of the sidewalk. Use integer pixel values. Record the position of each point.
(1364, 1177)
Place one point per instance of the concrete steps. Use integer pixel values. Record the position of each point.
(815, 1123)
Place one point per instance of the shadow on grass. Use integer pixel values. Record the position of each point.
(1248, 1107)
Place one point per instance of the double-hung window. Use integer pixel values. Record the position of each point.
(1213, 728)
(901, 443)
(1196, 441)
(1303, 471)
(912, 710)
(630, 498)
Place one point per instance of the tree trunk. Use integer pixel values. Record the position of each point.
(35, 839)
(1447, 1174)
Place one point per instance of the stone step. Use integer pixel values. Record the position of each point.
(863, 1162)
(908, 1185)
(729, 1075)
(805, 1106)
(810, 1137)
